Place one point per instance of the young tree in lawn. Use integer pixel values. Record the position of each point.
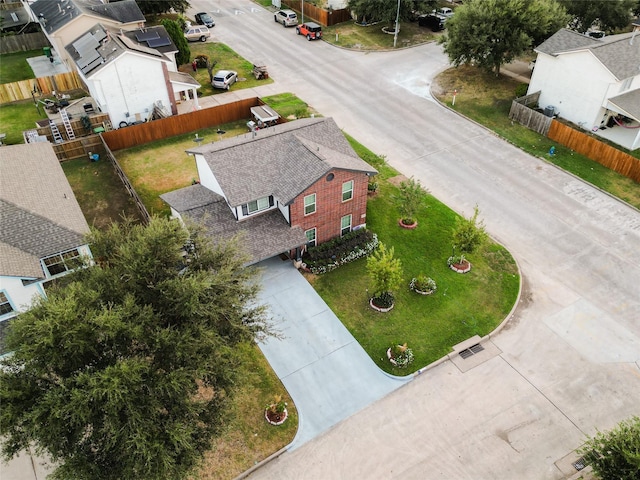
(126, 370)
(385, 273)
(490, 33)
(616, 453)
(177, 35)
(411, 194)
(468, 233)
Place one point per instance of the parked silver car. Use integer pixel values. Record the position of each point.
(224, 79)
(287, 18)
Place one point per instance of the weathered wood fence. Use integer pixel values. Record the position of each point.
(23, 42)
(591, 147)
(320, 15)
(24, 89)
(125, 180)
(179, 124)
(522, 113)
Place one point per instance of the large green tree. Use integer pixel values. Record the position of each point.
(609, 15)
(489, 33)
(156, 7)
(126, 370)
(385, 11)
(616, 453)
(174, 29)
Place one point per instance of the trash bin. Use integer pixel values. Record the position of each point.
(47, 51)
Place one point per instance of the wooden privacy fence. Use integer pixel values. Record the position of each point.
(178, 124)
(23, 90)
(23, 42)
(522, 113)
(123, 177)
(320, 15)
(596, 150)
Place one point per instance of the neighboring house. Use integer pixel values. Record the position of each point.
(132, 76)
(65, 20)
(284, 188)
(14, 17)
(594, 83)
(43, 229)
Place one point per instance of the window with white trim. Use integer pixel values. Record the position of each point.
(62, 262)
(5, 304)
(258, 205)
(310, 204)
(311, 237)
(347, 190)
(345, 225)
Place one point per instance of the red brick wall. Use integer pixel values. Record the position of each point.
(329, 205)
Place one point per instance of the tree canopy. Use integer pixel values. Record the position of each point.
(156, 7)
(174, 29)
(126, 370)
(608, 15)
(385, 11)
(616, 453)
(489, 33)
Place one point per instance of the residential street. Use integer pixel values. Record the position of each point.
(570, 361)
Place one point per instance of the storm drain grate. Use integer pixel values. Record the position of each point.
(472, 350)
(579, 464)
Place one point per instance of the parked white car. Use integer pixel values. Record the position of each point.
(197, 33)
(287, 18)
(224, 79)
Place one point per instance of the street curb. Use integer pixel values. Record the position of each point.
(271, 457)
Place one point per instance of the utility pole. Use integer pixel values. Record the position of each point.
(395, 34)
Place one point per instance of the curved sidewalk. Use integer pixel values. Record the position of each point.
(325, 370)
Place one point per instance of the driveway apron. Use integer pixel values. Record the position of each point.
(327, 373)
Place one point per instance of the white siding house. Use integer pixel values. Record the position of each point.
(43, 229)
(594, 83)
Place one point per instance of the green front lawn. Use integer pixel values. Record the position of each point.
(463, 305)
(226, 59)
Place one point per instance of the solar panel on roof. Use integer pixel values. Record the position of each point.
(158, 42)
(144, 36)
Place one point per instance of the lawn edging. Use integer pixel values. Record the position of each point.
(262, 463)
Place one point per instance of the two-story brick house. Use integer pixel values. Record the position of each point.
(286, 187)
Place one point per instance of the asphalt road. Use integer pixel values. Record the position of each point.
(568, 362)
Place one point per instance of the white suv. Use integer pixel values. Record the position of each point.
(287, 18)
(224, 79)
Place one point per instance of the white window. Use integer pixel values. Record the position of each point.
(5, 304)
(347, 190)
(62, 262)
(310, 204)
(311, 237)
(345, 225)
(258, 205)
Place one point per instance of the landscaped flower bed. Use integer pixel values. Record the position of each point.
(330, 255)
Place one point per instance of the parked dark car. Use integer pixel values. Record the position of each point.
(433, 21)
(205, 19)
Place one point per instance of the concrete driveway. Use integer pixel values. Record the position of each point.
(324, 369)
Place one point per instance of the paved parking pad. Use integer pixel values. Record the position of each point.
(325, 370)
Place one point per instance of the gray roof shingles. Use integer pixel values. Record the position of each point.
(617, 53)
(629, 102)
(58, 14)
(39, 213)
(282, 161)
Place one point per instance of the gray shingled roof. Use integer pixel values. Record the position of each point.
(263, 236)
(282, 160)
(59, 13)
(628, 102)
(616, 52)
(38, 212)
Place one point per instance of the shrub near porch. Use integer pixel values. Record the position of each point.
(462, 306)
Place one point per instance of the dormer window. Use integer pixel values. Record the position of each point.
(258, 205)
